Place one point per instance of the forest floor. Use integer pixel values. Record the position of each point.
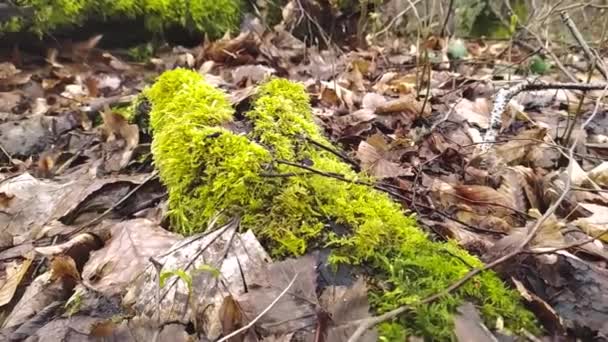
(77, 178)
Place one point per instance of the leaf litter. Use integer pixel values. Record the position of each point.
(77, 178)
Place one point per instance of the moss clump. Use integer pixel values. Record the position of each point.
(213, 17)
(209, 169)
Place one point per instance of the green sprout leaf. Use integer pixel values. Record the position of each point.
(539, 65)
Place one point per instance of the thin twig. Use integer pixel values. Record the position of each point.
(258, 317)
(447, 18)
(570, 124)
(399, 15)
(8, 155)
(114, 206)
(335, 152)
(599, 64)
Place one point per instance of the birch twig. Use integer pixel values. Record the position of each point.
(506, 94)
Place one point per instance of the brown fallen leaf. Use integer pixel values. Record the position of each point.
(474, 112)
(376, 159)
(139, 329)
(46, 164)
(7, 69)
(513, 185)
(483, 221)
(113, 267)
(92, 85)
(41, 293)
(371, 101)
(9, 100)
(343, 305)
(517, 148)
(545, 313)
(114, 124)
(549, 236)
(117, 127)
(294, 311)
(77, 247)
(383, 84)
(481, 195)
(237, 257)
(15, 271)
(354, 124)
(405, 84)
(599, 174)
(80, 51)
(355, 77)
(17, 79)
(550, 232)
(335, 95)
(103, 329)
(251, 74)
(231, 318)
(5, 199)
(242, 49)
(596, 223)
(531, 183)
(406, 104)
(279, 338)
(64, 267)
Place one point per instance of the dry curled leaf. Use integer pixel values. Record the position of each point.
(406, 104)
(103, 329)
(377, 159)
(596, 223)
(5, 199)
(343, 305)
(517, 149)
(333, 94)
(14, 273)
(231, 318)
(64, 267)
(116, 127)
(474, 112)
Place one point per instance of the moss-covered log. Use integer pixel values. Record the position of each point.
(211, 169)
(212, 17)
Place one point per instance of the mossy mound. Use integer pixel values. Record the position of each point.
(213, 17)
(209, 170)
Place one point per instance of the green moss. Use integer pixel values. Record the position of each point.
(212, 17)
(210, 170)
(184, 93)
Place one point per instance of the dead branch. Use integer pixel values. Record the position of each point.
(447, 19)
(335, 152)
(593, 59)
(504, 96)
